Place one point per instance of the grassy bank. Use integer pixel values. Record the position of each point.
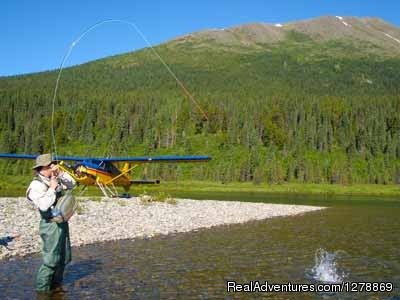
(16, 185)
(298, 188)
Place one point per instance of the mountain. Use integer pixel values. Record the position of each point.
(372, 31)
(307, 101)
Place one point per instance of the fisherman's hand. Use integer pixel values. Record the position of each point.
(56, 170)
(53, 182)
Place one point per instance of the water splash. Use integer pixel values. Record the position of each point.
(325, 268)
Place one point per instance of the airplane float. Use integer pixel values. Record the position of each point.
(103, 172)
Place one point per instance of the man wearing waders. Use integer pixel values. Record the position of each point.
(45, 189)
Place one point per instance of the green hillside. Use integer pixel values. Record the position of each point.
(309, 102)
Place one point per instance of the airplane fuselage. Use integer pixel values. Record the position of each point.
(93, 172)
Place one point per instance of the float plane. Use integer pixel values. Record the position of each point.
(103, 171)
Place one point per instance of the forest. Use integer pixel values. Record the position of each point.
(295, 111)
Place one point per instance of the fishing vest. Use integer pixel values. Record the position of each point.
(46, 215)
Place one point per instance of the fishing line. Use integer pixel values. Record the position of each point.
(156, 54)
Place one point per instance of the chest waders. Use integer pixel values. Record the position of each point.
(56, 248)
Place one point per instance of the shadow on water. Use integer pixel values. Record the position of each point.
(17, 277)
(82, 269)
(359, 242)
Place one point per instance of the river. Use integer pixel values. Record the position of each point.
(355, 240)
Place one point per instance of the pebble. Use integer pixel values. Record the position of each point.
(114, 219)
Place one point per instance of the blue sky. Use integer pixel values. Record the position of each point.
(35, 35)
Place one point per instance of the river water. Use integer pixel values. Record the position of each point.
(354, 240)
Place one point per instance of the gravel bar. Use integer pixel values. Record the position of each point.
(114, 219)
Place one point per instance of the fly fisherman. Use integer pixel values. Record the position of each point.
(45, 189)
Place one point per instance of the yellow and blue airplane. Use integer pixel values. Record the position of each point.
(103, 172)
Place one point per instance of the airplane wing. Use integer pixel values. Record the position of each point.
(137, 159)
(33, 156)
(165, 158)
(18, 156)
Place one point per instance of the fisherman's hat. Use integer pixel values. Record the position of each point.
(43, 160)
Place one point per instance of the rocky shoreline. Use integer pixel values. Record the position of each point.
(114, 219)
